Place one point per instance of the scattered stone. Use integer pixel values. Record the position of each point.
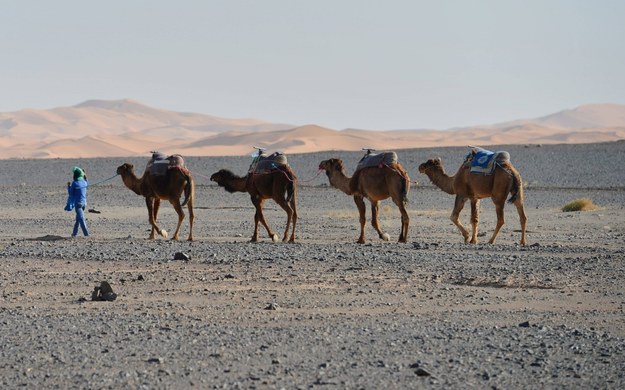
(229, 276)
(525, 324)
(157, 360)
(103, 292)
(94, 211)
(535, 245)
(140, 277)
(421, 372)
(181, 256)
(272, 306)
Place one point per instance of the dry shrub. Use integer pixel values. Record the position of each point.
(581, 204)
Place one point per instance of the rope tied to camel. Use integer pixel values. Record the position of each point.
(287, 176)
(399, 173)
(104, 181)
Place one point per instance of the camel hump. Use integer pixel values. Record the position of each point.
(483, 161)
(377, 160)
(263, 163)
(160, 163)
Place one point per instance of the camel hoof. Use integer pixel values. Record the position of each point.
(275, 238)
(386, 237)
(163, 233)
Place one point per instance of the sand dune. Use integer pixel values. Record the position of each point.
(101, 128)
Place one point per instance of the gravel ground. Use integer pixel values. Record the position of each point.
(323, 312)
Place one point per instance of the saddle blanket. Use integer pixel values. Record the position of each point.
(377, 159)
(266, 164)
(484, 161)
(159, 164)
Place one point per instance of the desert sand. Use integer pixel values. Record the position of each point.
(323, 312)
(118, 128)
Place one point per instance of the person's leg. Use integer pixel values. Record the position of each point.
(82, 222)
(78, 210)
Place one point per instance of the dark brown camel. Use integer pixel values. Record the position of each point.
(467, 186)
(167, 187)
(279, 185)
(375, 184)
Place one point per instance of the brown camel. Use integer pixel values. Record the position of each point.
(279, 184)
(167, 187)
(375, 184)
(467, 186)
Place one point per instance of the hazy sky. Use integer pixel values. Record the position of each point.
(338, 63)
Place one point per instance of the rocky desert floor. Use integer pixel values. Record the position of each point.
(323, 312)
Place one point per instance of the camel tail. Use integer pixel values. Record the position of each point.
(404, 190)
(290, 188)
(189, 189)
(516, 192)
(405, 183)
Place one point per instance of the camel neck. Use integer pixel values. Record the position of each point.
(236, 184)
(133, 182)
(340, 181)
(439, 178)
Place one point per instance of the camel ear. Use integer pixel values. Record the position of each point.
(438, 160)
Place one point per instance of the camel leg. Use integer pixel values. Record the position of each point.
(191, 218)
(149, 202)
(475, 219)
(455, 217)
(375, 222)
(178, 208)
(294, 208)
(153, 206)
(499, 204)
(259, 217)
(522, 219)
(360, 203)
(157, 206)
(405, 220)
(289, 216)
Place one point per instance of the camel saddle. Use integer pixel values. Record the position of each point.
(377, 160)
(160, 163)
(267, 163)
(484, 162)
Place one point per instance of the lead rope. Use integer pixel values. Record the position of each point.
(103, 181)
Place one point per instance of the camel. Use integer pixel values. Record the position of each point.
(279, 184)
(375, 184)
(467, 186)
(167, 187)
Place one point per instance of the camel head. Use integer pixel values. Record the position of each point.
(224, 178)
(333, 164)
(436, 163)
(125, 169)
